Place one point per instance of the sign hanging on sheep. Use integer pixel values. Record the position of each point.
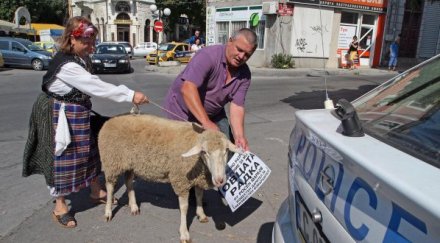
(245, 174)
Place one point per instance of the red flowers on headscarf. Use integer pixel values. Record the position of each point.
(83, 30)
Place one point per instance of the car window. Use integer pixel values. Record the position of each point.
(405, 112)
(17, 47)
(110, 50)
(179, 48)
(166, 47)
(31, 46)
(4, 45)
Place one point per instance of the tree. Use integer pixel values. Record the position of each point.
(194, 9)
(41, 11)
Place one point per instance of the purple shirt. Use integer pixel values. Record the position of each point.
(207, 70)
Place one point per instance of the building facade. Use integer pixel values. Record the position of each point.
(417, 26)
(117, 20)
(316, 33)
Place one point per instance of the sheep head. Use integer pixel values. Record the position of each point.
(213, 147)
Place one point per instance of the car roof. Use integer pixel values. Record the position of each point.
(21, 40)
(109, 44)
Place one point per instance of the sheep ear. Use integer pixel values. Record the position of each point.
(197, 127)
(233, 148)
(195, 150)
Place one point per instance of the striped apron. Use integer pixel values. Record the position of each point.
(79, 164)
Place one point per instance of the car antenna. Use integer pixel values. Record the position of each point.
(328, 103)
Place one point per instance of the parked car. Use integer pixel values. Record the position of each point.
(168, 51)
(49, 46)
(127, 46)
(23, 53)
(143, 49)
(367, 171)
(111, 58)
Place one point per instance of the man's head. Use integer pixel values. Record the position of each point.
(197, 33)
(240, 47)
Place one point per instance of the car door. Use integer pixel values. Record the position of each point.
(19, 56)
(6, 52)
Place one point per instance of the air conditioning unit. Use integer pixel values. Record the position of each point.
(270, 7)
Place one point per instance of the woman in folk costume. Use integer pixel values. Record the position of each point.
(60, 145)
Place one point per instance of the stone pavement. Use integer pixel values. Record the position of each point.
(174, 67)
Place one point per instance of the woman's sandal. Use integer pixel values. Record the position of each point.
(64, 220)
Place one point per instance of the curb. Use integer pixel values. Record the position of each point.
(176, 68)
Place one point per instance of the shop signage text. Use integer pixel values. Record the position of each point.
(367, 5)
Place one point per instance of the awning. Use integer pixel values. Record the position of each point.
(39, 27)
(11, 27)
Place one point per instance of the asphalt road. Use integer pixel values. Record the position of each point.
(25, 205)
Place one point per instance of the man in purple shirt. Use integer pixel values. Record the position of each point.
(215, 76)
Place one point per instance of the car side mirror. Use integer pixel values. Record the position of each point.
(351, 125)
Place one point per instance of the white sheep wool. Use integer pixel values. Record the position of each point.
(246, 173)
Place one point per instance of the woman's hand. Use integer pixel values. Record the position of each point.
(139, 98)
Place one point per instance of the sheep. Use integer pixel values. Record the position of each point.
(162, 150)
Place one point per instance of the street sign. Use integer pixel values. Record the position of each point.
(158, 26)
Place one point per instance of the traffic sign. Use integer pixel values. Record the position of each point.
(158, 26)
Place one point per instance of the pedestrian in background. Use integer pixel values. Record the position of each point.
(353, 52)
(197, 45)
(217, 75)
(59, 144)
(394, 53)
(196, 35)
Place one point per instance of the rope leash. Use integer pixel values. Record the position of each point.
(136, 111)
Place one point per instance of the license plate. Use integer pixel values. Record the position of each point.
(109, 64)
(309, 231)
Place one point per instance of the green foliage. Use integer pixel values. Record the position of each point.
(282, 61)
(41, 11)
(194, 9)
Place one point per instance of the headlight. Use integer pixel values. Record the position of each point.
(123, 61)
(46, 57)
(96, 61)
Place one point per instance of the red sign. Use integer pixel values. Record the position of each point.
(285, 9)
(158, 26)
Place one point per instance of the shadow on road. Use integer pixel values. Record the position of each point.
(315, 99)
(162, 195)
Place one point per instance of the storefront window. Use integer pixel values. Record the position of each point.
(236, 25)
(349, 18)
(222, 32)
(259, 30)
(368, 19)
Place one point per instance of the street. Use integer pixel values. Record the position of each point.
(26, 207)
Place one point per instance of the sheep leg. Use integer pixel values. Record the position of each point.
(183, 205)
(199, 200)
(129, 177)
(110, 187)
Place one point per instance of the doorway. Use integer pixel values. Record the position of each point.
(363, 25)
(123, 32)
(412, 20)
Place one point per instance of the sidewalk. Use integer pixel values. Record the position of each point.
(176, 68)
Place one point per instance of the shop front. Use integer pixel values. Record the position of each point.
(324, 30)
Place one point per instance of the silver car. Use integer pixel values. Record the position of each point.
(367, 171)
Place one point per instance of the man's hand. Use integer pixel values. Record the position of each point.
(242, 143)
(139, 98)
(210, 125)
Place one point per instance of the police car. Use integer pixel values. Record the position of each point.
(367, 171)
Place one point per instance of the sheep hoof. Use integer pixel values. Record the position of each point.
(203, 220)
(185, 241)
(108, 219)
(135, 212)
